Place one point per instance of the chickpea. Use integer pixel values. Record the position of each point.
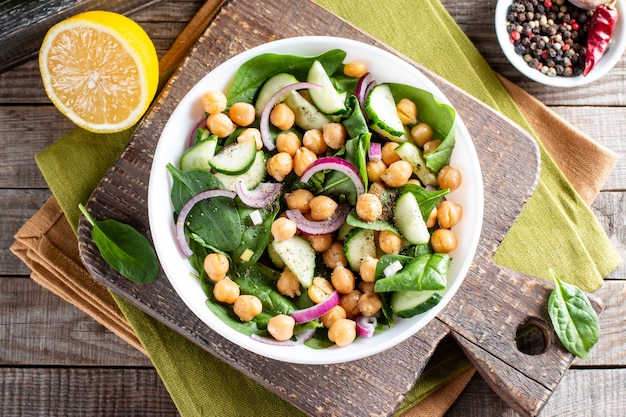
(216, 266)
(431, 146)
(432, 218)
(220, 125)
(334, 135)
(375, 169)
(226, 291)
(389, 242)
(314, 141)
(282, 116)
(350, 303)
(449, 177)
(247, 307)
(288, 142)
(397, 174)
(334, 256)
(299, 200)
(414, 181)
(443, 240)
(320, 243)
(281, 327)
(342, 332)
(279, 165)
(322, 207)
(242, 113)
(342, 279)
(407, 111)
(421, 133)
(367, 269)
(389, 154)
(370, 304)
(332, 315)
(213, 102)
(302, 159)
(366, 287)
(320, 290)
(449, 213)
(288, 284)
(253, 133)
(355, 69)
(283, 228)
(368, 207)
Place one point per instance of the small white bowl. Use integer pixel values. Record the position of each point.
(608, 61)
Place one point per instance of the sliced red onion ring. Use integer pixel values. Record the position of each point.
(365, 326)
(312, 227)
(260, 197)
(375, 152)
(337, 164)
(182, 216)
(362, 87)
(316, 311)
(264, 124)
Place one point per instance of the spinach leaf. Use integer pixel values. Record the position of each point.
(356, 154)
(354, 123)
(214, 222)
(255, 238)
(124, 248)
(426, 199)
(225, 313)
(354, 220)
(259, 280)
(427, 272)
(573, 318)
(253, 73)
(438, 115)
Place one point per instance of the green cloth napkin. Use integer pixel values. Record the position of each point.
(555, 230)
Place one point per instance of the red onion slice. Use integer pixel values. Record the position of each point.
(365, 326)
(312, 227)
(337, 164)
(264, 124)
(375, 152)
(260, 197)
(184, 211)
(362, 87)
(316, 311)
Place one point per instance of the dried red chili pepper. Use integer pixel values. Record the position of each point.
(601, 28)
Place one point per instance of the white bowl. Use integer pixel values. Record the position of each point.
(385, 67)
(608, 61)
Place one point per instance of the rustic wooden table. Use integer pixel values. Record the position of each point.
(55, 360)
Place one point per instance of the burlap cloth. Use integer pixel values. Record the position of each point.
(48, 245)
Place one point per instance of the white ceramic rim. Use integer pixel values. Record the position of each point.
(385, 67)
(608, 61)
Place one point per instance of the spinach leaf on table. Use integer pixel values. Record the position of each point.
(573, 318)
(124, 248)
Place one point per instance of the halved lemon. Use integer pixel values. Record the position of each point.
(100, 69)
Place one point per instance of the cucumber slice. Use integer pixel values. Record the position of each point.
(249, 179)
(409, 220)
(270, 87)
(359, 244)
(274, 257)
(407, 304)
(198, 156)
(327, 99)
(413, 155)
(381, 108)
(235, 158)
(307, 115)
(299, 256)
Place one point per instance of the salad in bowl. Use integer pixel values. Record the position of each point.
(315, 200)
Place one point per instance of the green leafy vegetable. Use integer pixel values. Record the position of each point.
(573, 318)
(125, 249)
(427, 272)
(426, 199)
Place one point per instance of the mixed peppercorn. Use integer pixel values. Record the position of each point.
(551, 35)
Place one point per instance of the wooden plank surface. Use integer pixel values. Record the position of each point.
(593, 387)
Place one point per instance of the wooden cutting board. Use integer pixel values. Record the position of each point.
(483, 317)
